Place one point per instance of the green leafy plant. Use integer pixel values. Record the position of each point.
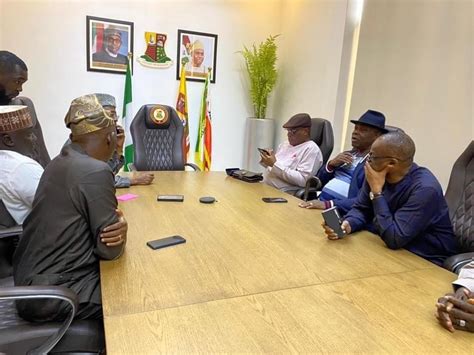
(261, 67)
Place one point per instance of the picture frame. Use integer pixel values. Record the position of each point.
(199, 49)
(108, 44)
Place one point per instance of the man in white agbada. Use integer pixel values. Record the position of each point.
(19, 173)
(196, 67)
(295, 161)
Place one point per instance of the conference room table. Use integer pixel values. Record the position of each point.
(258, 277)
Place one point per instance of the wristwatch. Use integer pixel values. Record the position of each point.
(374, 195)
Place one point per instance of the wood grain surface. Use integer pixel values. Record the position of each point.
(379, 314)
(241, 251)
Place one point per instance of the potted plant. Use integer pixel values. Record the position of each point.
(260, 62)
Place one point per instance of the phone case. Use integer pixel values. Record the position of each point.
(274, 199)
(333, 220)
(165, 242)
(170, 198)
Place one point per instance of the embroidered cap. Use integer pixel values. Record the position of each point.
(14, 118)
(86, 115)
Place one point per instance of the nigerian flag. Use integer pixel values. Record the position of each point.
(127, 117)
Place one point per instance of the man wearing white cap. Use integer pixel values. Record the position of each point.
(196, 66)
(19, 173)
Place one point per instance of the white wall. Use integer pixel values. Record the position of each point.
(50, 37)
(414, 64)
(310, 59)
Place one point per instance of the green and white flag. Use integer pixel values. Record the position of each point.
(127, 117)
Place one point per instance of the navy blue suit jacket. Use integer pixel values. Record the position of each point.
(345, 204)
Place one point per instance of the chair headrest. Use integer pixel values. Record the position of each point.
(157, 117)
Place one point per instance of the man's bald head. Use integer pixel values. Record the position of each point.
(399, 145)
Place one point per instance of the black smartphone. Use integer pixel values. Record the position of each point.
(333, 220)
(263, 151)
(274, 199)
(170, 198)
(166, 242)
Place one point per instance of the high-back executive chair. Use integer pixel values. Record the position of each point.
(157, 134)
(460, 199)
(321, 134)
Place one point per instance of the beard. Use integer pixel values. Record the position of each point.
(4, 100)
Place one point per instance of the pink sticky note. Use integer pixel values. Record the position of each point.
(126, 197)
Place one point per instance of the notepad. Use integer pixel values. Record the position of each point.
(126, 197)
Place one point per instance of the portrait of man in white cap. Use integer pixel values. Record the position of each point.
(196, 65)
(111, 47)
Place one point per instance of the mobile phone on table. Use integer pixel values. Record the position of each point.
(274, 199)
(165, 242)
(263, 151)
(170, 198)
(333, 221)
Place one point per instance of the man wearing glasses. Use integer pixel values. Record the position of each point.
(295, 161)
(401, 202)
(343, 176)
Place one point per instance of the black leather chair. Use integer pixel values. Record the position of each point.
(9, 233)
(460, 199)
(157, 134)
(321, 134)
(18, 336)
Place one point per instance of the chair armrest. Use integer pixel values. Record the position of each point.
(14, 231)
(34, 292)
(194, 166)
(313, 184)
(456, 262)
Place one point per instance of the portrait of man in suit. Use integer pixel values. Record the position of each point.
(108, 44)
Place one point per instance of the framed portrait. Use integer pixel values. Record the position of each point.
(199, 51)
(108, 44)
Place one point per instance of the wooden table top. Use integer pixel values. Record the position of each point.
(241, 252)
(379, 314)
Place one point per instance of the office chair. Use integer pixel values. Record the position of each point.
(460, 199)
(18, 336)
(44, 158)
(9, 233)
(157, 134)
(323, 136)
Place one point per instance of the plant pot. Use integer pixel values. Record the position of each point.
(259, 133)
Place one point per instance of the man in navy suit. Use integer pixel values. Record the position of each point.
(343, 176)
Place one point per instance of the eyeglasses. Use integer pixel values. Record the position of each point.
(371, 158)
(292, 130)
